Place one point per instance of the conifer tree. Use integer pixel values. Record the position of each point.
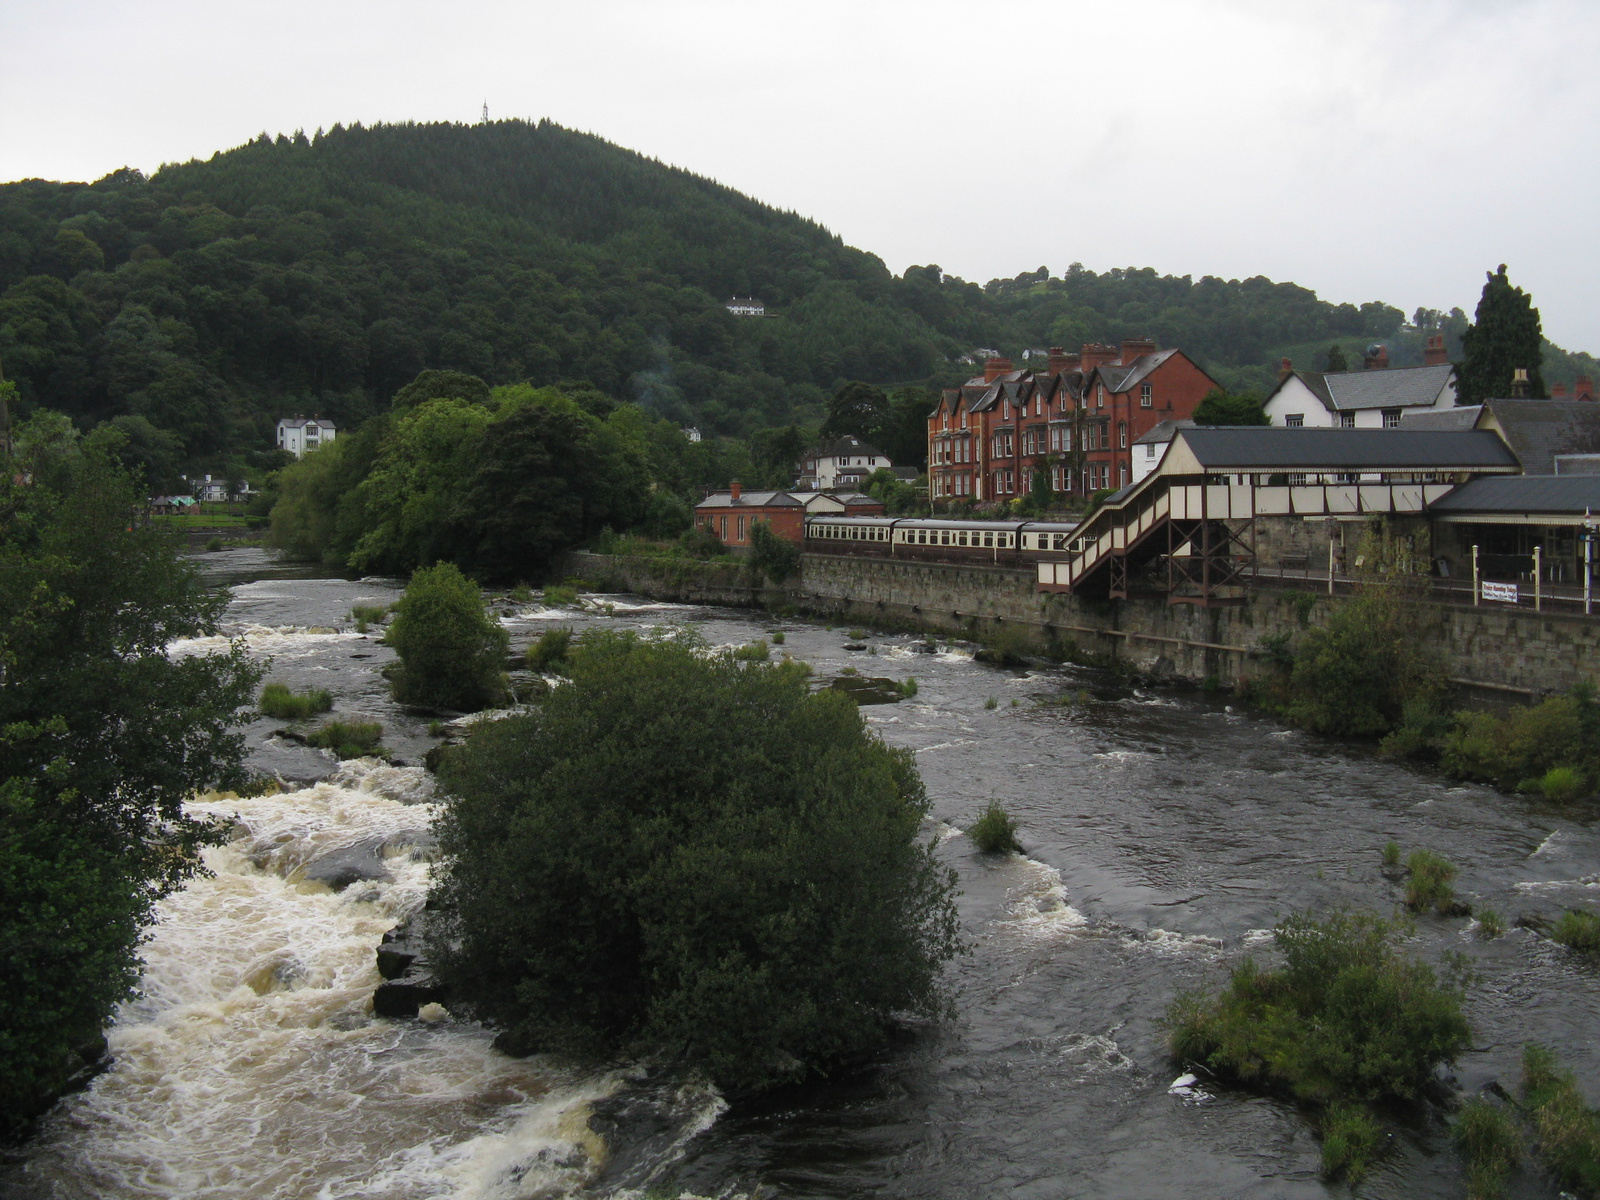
(1336, 359)
(1505, 335)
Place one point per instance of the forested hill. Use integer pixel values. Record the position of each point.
(320, 274)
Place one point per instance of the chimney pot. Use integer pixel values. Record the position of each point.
(1434, 355)
(1583, 388)
(1376, 358)
(1285, 369)
(1519, 383)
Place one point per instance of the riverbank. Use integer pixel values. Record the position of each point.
(1510, 653)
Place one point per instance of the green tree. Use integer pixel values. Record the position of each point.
(452, 655)
(103, 737)
(441, 385)
(1505, 336)
(856, 409)
(1221, 407)
(687, 854)
(775, 557)
(1336, 359)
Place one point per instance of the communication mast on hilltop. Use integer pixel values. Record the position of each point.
(485, 112)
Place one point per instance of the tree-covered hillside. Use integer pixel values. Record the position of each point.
(320, 274)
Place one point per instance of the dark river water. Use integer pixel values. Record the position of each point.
(1164, 834)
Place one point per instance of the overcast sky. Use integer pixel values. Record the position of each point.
(1369, 150)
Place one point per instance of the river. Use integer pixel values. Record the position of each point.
(1164, 834)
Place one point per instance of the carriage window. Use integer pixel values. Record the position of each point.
(944, 537)
(1005, 540)
(988, 539)
(961, 537)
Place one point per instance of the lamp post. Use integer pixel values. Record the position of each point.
(1589, 527)
(1475, 588)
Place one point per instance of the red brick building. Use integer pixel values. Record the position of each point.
(1077, 420)
(731, 515)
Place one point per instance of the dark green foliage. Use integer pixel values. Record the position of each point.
(366, 615)
(775, 557)
(1356, 674)
(700, 542)
(857, 408)
(1391, 854)
(897, 496)
(1219, 407)
(549, 652)
(994, 832)
(1490, 923)
(1350, 1138)
(687, 854)
(1578, 929)
(451, 653)
(1567, 1130)
(1505, 336)
(441, 385)
(348, 739)
(1429, 881)
(1345, 1019)
(1526, 744)
(103, 738)
(278, 700)
(1488, 1138)
(756, 651)
(1336, 360)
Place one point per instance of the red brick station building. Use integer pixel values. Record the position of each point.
(1076, 420)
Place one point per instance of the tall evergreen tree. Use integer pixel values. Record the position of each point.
(1505, 335)
(1336, 359)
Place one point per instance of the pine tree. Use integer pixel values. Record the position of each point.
(1336, 359)
(1505, 336)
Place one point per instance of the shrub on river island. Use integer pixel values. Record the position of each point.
(1562, 784)
(451, 653)
(348, 739)
(549, 652)
(757, 651)
(1429, 881)
(1391, 854)
(1490, 924)
(684, 854)
(277, 700)
(1491, 1143)
(778, 638)
(1351, 1136)
(365, 615)
(1345, 1020)
(1567, 1130)
(1578, 930)
(560, 596)
(994, 831)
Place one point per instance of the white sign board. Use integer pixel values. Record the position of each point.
(1504, 592)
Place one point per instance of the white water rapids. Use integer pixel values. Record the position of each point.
(251, 1065)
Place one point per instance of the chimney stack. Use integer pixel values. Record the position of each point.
(735, 488)
(1376, 358)
(996, 367)
(1133, 348)
(1519, 383)
(1558, 391)
(1434, 355)
(1061, 362)
(1094, 354)
(1583, 389)
(1285, 369)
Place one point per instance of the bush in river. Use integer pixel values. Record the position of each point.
(1566, 1129)
(1391, 854)
(1525, 744)
(277, 700)
(348, 739)
(1578, 930)
(1429, 880)
(995, 831)
(1345, 1020)
(756, 651)
(1350, 1138)
(1490, 924)
(558, 595)
(685, 854)
(451, 653)
(549, 652)
(1491, 1142)
(1562, 784)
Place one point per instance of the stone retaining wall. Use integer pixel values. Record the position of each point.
(1510, 652)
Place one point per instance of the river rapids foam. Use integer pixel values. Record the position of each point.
(251, 1066)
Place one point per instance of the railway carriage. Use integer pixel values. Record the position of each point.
(1011, 543)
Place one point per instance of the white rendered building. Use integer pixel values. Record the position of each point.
(300, 434)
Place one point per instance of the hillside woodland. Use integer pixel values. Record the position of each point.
(320, 274)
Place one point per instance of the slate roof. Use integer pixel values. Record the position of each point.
(1389, 387)
(1261, 447)
(750, 500)
(1566, 494)
(1462, 417)
(1162, 432)
(1538, 430)
(1123, 378)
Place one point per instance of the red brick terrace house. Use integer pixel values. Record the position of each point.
(1077, 419)
(731, 514)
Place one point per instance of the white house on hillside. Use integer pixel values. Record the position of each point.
(1371, 399)
(841, 462)
(299, 434)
